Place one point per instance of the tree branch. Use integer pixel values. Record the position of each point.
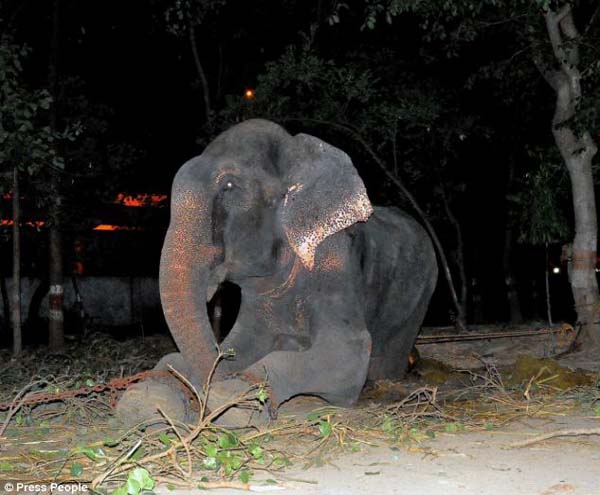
(555, 23)
(201, 73)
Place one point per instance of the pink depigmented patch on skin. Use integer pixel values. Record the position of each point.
(305, 243)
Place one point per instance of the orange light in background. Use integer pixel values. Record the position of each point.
(35, 223)
(249, 94)
(109, 227)
(140, 200)
(104, 226)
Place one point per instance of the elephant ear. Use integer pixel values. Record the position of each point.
(325, 195)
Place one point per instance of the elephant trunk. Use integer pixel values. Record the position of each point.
(184, 275)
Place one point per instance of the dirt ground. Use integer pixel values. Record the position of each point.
(466, 463)
(455, 437)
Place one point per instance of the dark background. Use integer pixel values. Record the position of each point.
(128, 63)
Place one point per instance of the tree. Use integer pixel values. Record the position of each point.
(26, 147)
(56, 331)
(182, 19)
(541, 219)
(577, 148)
(546, 33)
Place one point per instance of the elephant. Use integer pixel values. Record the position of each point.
(333, 290)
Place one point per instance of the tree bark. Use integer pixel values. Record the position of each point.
(515, 314)
(56, 292)
(460, 258)
(5, 301)
(16, 285)
(201, 74)
(547, 282)
(577, 151)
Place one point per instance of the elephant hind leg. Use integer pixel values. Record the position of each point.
(392, 359)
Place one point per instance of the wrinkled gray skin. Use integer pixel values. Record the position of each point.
(327, 299)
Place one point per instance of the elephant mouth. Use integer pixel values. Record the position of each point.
(223, 308)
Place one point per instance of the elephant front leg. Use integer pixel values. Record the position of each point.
(334, 367)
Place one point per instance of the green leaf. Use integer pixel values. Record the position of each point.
(325, 428)
(76, 469)
(245, 476)
(388, 426)
(122, 490)
(228, 441)
(262, 395)
(313, 417)
(255, 451)
(453, 427)
(211, 450)
(236, 462)
(133, 486)
(89, 382)
(450, 428)
(430, 433)
(142, 478)
(90, 453)
(210, 463)
(165, 440)
(5, 466)
(281, 462)
(139, 453)
(110, 442)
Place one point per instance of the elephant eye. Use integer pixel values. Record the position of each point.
(229, 185)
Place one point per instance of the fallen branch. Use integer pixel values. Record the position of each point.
(554, 434)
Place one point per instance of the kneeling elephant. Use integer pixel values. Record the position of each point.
(332, 290)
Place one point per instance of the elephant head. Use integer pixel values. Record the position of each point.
(254, 193)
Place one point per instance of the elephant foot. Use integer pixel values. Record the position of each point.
(239, 415)
(142, 401)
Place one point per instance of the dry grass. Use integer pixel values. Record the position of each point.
(79, 439)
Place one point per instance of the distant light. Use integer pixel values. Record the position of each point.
(556, 270)
(249, 94)
(141, 200)
(104, 226)
(36, 224)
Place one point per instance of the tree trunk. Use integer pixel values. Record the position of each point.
(5, 300)
(577, 151)
(16, 285)
(460, 258)
(515, 314)
(201, 74)
(547, 281)
(56, 292)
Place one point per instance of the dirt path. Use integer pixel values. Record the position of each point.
(466, 463)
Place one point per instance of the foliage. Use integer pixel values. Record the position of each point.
(25, 142)
(181, 15)
(95, 165)
(398, 119)
(541, 218)
(138, 481)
